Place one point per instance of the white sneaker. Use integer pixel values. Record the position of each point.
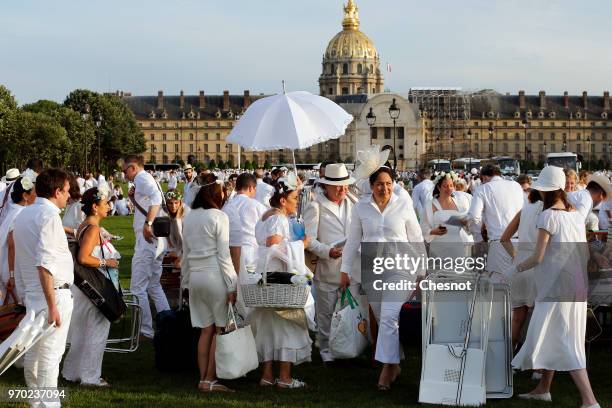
(537, 397)
(593, 406)
(536, 376)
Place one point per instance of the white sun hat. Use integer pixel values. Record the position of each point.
(602, 181)
(11, 175)
(369, 161)
(551, 178)
(336, 174)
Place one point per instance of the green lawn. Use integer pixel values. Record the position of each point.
(136, 382)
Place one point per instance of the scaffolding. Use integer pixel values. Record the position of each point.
(445, 114)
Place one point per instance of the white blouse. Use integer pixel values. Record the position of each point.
(397, 223)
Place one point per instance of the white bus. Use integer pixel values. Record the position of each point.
(565, 160)
(439, 165)
(466, 164)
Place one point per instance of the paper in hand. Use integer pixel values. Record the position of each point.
(456, 221)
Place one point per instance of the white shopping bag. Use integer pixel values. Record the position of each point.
(348, 333)
(236, 353)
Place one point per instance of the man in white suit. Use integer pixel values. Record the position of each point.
(327, 220)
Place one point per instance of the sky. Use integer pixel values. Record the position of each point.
(49, 48)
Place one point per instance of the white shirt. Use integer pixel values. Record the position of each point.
(146, 194)
(122, 207)
(422, 194)
(101, 180)
(397, 223)
(582, 202)
(172, 182)
(73, 216)
(90, 183)
(40, 241)
(264, 193)
(495, 203)
(188, 194)
(605, 212)
(243, 213)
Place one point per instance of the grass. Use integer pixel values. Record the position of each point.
(136, 382)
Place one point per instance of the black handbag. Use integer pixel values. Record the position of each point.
(98, 288)
(161, 224)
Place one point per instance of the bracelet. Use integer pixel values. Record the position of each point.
(11, 274)
(102, 263)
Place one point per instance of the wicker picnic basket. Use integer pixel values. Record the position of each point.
(264, 294)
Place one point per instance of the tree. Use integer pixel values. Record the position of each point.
(43, 137)
(267, 165)
(255, 162)
(114, 125)
(248, 165)
(212, 164)
(8, 129)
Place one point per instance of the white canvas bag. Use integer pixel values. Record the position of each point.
(236, 353)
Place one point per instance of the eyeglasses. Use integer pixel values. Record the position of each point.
(127, 168)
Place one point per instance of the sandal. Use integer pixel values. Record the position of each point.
(293, 384)
(213, 386)
(266, 383)
(383, 387)
(102, 383)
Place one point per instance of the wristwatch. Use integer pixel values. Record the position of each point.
(149, 223)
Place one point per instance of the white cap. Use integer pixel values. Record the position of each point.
(551, 178)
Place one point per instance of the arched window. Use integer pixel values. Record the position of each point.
(359, 69)
(371, 68)
(345, 68)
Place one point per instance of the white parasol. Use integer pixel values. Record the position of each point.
(293, 120)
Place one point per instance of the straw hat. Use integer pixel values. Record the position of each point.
(336, 174)
(602, 181)
(11, 175)
(551, 178)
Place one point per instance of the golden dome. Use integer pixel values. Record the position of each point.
(350, 42)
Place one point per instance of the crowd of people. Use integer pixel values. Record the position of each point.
(229, 228)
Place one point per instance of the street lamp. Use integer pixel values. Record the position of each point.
(85, 117)
(491, 129)
(394, 112)
(588, 140)
(371, 118)
(237, 118)
(452, 138)
(98, 124)
(416, 154)
(545, 148)
(525, 125)
(469, 136)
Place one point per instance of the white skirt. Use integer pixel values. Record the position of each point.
(555, 338)
(279, 339)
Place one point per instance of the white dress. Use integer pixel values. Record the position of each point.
(556, 334)
(6, 227)
(88, 330)
(522, 284)
(277, 339)
(456, 243)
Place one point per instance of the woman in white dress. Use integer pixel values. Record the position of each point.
(556, 334)
(22, 194)
(73, 216)
(208, 273)
(88, 326)
(522, 284)
(176, 212)
(446, 240)
(279, 336)
(384, 217)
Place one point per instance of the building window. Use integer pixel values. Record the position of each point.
(331, 91)
(163, 136)
(345, 91)
(152, 147)
(578, 148)
(218, 148)
(387, 133)
(516, 124)
(476, 124)
(553, 147)
(164, 148)
(506, 148)
(176, 149)
(218, 124)
(516, 136)
(190, 148)
(191, 136)
(345, 69)
(206, 148)
(152, 124)
(528, 136)
(218, 136)
(373, 132)
(578, 136)
(176, 125)
(541, 136)
(400, 132)
(505, 124)
(517, 148)
(190, 124)
(152, 136)
(205, 136)
(359, 69)
(505, 136)
(164, 125)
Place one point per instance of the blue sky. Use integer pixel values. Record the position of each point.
(52, 47)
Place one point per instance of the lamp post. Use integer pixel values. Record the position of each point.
(452, 138)
(153, 150)
(469, 136)
(237, 117)
(525, 126)
(98, 124)
(394, 112)
(545, 149)
(85, 116)
(491, 129)
(588, 140)
(416, 154)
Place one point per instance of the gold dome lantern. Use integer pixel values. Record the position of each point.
(351, 63)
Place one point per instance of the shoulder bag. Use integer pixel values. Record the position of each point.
(161, 224)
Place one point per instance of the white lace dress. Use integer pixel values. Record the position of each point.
(277, 338)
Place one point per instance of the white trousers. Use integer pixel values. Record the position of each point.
(41, 362)
(146, 271)
(87, 336)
